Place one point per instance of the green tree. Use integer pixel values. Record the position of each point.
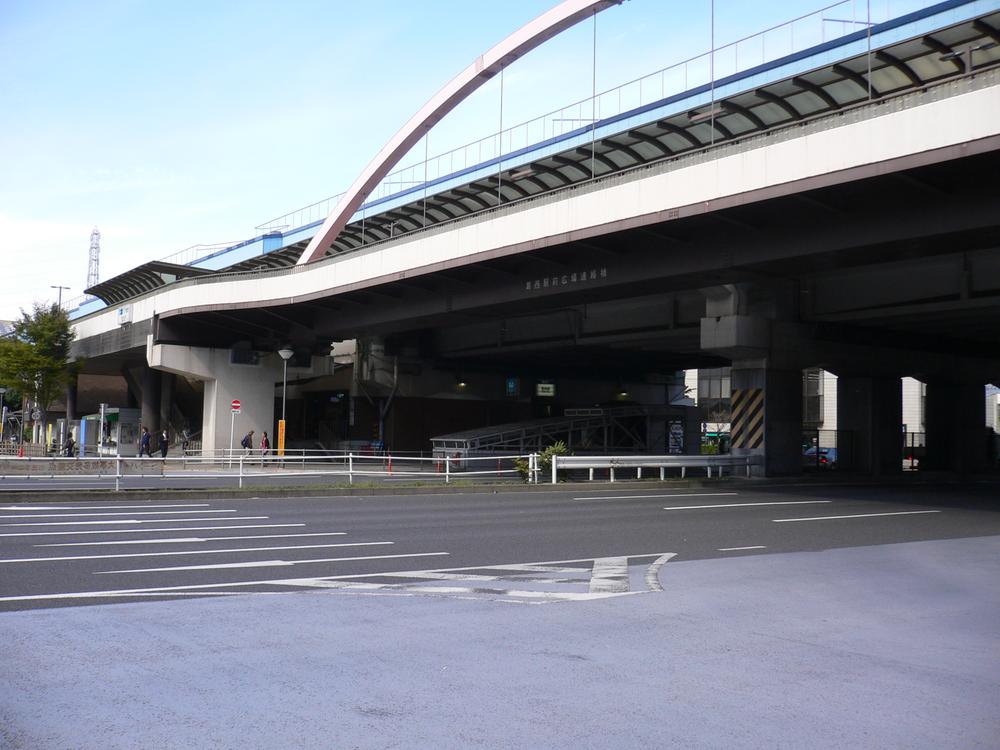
(35, 359)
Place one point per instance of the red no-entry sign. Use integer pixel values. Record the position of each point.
(236, 406)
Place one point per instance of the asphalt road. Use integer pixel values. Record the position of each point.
(62, 554)
(791, 617)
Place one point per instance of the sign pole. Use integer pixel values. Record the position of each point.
(232, 428)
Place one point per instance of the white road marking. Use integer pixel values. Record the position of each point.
(132, 520)
(190, 552)
(198, 587)
(157, 531)
(610, 575)
(660, 496)
(140, 513)
(653, 572)
(523, 593)
(745, 505)
(100, 507)
(737, 549)
(271, 563)
(190, 539)
(859, 515)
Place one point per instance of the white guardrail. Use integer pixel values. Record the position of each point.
(243, 467)
(683, 462)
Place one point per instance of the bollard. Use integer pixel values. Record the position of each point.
(447, 469)
(241, 471)
(118, 473)
(350, 467)
(554, 460)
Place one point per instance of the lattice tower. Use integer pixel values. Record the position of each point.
(93, 276)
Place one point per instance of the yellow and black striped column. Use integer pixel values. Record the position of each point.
(747, 422)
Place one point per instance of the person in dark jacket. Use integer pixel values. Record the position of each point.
(144, 443)
(164, 442)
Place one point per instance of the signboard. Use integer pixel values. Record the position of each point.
(281, 437)
(675, 437)
(545, 389)
(236, 406)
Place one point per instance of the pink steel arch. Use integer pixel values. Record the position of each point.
(531, 35)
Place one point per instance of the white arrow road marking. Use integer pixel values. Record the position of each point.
(191, 552)
(859, 515)
(133, 521)
(270, 563)
(157, 531)
(189, 539)
(211, 588)
(610, 575)
(746, 505)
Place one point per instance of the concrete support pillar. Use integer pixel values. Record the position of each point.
(956, 435)
(869, 424)
(150, 416)
(71, 393)
(767, 416)
(253, 385)
(166, 399)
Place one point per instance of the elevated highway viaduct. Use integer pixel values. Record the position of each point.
(806, 222)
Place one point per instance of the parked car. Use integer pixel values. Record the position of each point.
(821, 458)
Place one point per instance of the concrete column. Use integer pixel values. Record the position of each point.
(767, 416)
(71, 393)
(166, 398)
(253, 385)
(956, 436)
(150, 416)
(869, 424)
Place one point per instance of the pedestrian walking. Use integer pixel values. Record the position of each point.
(70, 445)
(247, 442)
(164, 442)
(265, 444)
(144, 443)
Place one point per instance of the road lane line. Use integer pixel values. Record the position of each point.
(745, 505)
(270, 563)
(140, 513)
(660, 496)
(738, 549)
(132, 520)
(157, 531)
(190, 552)
(189, 539)
(859, 515)
(101, 507)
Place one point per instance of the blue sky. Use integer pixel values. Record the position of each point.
(171, 124)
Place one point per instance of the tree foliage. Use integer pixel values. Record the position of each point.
(35, 359)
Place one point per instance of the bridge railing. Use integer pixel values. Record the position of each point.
(825, 24)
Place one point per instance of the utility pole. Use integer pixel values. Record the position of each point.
(60, 288)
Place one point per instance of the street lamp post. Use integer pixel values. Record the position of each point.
(3, 413)
(60, 288)
(286, 354)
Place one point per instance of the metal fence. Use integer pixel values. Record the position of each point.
(679, 464)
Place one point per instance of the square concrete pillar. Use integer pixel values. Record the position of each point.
(870, 424)
(957, 438)
(150, 414)
(767, 416)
